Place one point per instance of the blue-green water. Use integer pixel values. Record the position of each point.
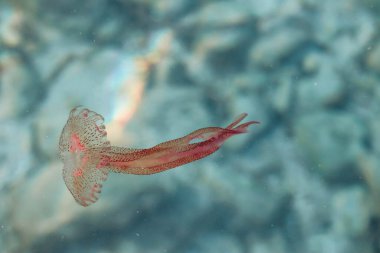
(305, 180)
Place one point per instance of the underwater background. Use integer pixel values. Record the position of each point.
(305, 180)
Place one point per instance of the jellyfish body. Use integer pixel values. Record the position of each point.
(88, 156)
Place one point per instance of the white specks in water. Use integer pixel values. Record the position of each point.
(315, 83)
(137, 234)
(2, 228)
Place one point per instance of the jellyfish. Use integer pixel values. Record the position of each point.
(88, 156)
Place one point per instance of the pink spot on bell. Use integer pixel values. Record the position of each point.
(78, 173)
(75, 144)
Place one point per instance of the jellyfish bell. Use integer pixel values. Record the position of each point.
(82, 148)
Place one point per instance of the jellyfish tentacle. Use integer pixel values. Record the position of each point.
(173, 153)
